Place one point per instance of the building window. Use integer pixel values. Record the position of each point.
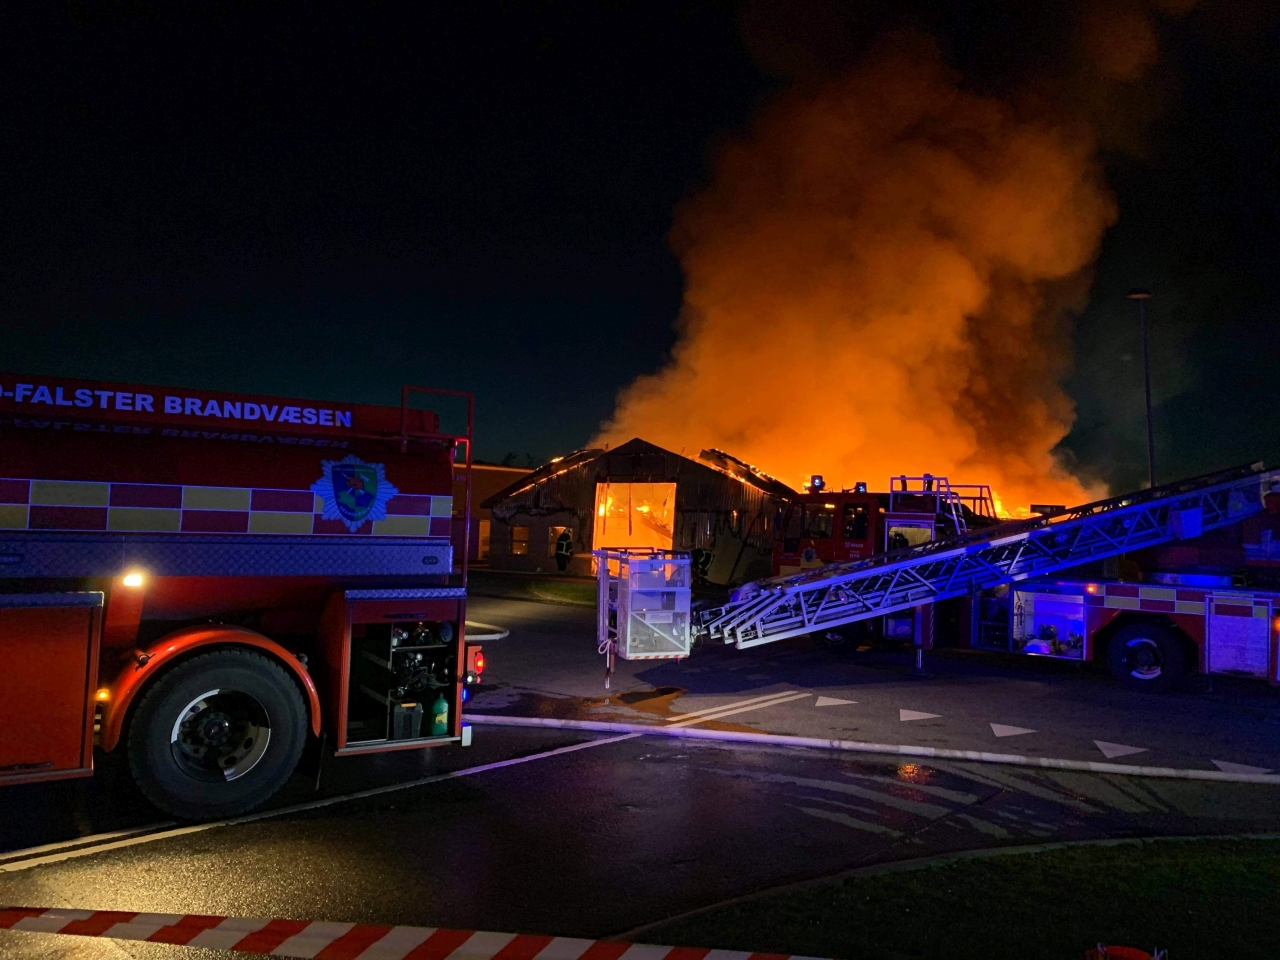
(482, 547)
(519, 541)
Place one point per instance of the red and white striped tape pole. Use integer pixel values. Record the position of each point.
(343, 941)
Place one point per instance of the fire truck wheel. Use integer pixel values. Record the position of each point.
(217, 735)
(841, 637)
(1146, 656)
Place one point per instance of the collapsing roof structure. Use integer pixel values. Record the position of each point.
(639, 494)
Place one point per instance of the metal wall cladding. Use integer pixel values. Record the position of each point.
(709, 503)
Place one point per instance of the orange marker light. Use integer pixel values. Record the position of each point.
(1091, 588)
(102, 695)
(134, 578)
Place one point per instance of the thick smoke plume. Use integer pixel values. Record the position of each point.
(877, 279)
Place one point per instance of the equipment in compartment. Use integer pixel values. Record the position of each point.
(1048, 624)
(405, 673)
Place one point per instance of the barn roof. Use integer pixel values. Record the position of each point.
(715, 460)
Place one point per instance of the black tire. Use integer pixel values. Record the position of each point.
(1147, 656)
(209, 712)
(844, 637)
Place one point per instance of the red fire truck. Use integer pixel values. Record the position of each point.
(216, 582)
(1199, 591)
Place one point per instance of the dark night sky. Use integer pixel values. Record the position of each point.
(323, 202)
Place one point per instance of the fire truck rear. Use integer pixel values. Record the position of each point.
(215, 583)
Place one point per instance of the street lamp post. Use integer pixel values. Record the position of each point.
(1142, 296)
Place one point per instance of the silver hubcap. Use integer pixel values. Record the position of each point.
(1143, 658)
(220, 735)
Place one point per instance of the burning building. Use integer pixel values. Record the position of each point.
(639, 495)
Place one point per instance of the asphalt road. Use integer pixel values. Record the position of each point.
(591, 836)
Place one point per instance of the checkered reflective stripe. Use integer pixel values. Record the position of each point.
(1131, 596)
(30, 504)
(80, 554)
(343, 941)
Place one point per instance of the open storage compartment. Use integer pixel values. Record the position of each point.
(401, 679)
(396, 673)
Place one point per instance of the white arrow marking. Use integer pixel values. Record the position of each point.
(832, 702)
(1002, 730)
(905, 715)
(1227, 767)
(1113, 750)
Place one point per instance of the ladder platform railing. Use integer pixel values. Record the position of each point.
(830, 596)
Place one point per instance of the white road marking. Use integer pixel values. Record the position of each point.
(1113, 750)
(985, 826)
(1227, 767)
(956, 796)
(934, 754)
(727, 706)
(729, 713)
(81, 841)
(491, 632)
(848, 821)
(916, 808)
(15, 866)
(832, 702)
(905, 715)
(1003, 730)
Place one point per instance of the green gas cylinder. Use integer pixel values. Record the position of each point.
(440, 717)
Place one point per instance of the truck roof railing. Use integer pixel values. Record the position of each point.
(949, 499)
(829, 596)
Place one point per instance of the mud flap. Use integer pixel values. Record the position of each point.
(311, 766)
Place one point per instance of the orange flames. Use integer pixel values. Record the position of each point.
(877, 278)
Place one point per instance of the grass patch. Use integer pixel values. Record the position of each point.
(566, 591)
(1197, 899)
(522, 586)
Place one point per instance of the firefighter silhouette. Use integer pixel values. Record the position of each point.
(699, 565)
(564, 549)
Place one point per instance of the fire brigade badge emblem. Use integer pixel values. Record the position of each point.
(353, 491)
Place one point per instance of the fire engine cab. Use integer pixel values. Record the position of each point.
(215, 582)
(826, 526)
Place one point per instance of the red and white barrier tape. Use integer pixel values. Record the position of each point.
(343, 941)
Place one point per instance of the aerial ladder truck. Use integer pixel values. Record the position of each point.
(1155, 584)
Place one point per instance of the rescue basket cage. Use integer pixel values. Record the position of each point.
(643, 608)
(782, 607)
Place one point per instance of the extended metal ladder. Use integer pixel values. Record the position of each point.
(840, 593)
